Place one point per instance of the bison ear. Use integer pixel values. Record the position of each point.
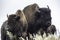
(7, 16)
(48, 6)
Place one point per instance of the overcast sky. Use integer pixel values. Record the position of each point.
(10, 7)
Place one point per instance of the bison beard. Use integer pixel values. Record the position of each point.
(12, 25)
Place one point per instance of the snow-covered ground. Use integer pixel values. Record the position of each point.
(10, 7)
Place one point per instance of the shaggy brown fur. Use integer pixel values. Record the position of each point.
(29, 11)
(23, 20)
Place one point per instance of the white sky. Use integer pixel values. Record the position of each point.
(10, 6)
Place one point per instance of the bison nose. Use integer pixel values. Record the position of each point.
(49, 23)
